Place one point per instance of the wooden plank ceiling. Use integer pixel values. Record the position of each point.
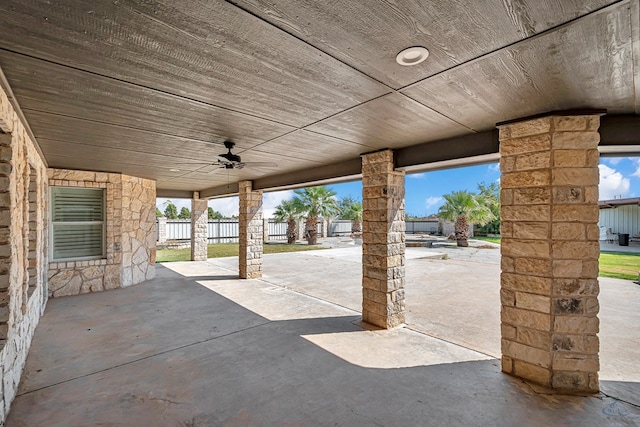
(153, 88)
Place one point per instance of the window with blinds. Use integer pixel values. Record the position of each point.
(77, 219)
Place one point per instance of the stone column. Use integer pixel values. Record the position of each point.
(549, 280)
(162, 230)
(382, 241)
(199, 220)
(251, 233)
(265, 228)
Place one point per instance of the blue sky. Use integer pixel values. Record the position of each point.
(619, 177)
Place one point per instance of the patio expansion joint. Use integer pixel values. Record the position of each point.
(265, 279)
(295, 291)
(601, 395)
(617, 399)
(144, 358)
(407, 326)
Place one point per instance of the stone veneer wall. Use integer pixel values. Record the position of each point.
(23, 248)
(549, 212)
(138, 230)
(130, 235)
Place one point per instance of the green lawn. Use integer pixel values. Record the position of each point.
(227, 249)
(488, 239)
(619, 265)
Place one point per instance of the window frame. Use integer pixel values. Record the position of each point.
(103, 223)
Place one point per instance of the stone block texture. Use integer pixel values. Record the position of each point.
(162, 229)
(23, 247)
(251, 233)
(130, 235)
(383, 241)
(199, 222)
(549, 284)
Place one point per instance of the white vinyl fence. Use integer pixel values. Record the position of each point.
(218, 230)
(277, 230)
(226, 230)
(340, 227)
(429, 227)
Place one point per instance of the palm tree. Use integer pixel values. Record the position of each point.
(491, 193)
(465, 208)
(353, 212)
(315, 202)
(287, 211)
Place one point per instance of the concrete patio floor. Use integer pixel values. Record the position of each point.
(198, 347)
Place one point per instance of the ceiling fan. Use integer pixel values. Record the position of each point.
(229, 160)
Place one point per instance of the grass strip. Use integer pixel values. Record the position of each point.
(619, 265)
(220, 250)
(488, 239)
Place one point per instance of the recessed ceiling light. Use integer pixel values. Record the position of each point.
(412, 55)
(174, 170)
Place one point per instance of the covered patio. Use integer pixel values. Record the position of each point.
(197, 346)
(107, 105)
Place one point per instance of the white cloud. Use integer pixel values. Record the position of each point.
(614, 160)
(416, 175)
(637, 172)
(227, 206)
(494, 167)
(271, 200)
(612, 183)
(432, 201)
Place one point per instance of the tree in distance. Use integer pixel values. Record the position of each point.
(170, 210)
(464, 208)
(185, 213)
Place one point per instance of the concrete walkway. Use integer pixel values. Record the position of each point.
(634, 247)
(198, 347)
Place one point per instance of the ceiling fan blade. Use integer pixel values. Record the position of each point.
(223, 163)
(261, 164)
(216, 169)
(197, 163)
